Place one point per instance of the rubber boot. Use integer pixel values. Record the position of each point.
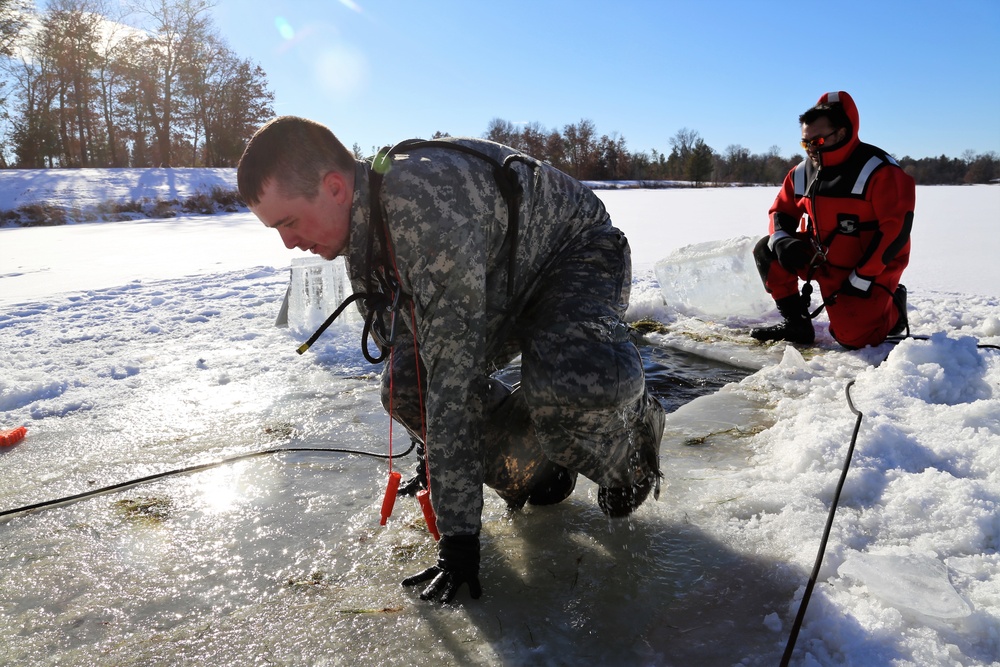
(554, 487)
(795, 327)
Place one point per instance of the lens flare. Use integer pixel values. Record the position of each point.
(284, 28)
(341, 71)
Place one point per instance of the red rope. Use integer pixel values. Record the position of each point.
(416, 354)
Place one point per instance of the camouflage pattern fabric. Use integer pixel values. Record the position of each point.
(513, 460)
(583, 387)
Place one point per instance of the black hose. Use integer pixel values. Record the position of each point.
(183, 471)
(797, 625)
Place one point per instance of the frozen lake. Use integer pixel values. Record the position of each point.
(128, 349)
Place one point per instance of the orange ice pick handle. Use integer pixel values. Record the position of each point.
(12, 436)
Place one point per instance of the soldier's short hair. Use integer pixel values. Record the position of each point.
(298, 152)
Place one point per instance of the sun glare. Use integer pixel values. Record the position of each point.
(341, 70)
(219, 490)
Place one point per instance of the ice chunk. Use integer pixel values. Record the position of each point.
(715, 278)
(724, 415)
(317, 287)
(712, 413)
(912, 581)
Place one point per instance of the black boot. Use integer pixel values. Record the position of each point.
(419, 480)
(796, 327)
(554, 488)
(902, 324)
(618, 502)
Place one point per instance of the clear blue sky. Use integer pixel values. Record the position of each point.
(925, 73)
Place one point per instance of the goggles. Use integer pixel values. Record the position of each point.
(816, 142)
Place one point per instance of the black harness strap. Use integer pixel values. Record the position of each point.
(382, 290)
(504, 175)
(820, 246)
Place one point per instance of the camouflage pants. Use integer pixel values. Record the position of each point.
(582, 390)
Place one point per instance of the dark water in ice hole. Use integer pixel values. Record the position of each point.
(673, 376)
(676, 377)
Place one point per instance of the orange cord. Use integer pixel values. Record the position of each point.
(423, 497)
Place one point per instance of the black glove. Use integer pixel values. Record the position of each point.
(458, 563)
(857, 286)
(792, 253)
(419, 480)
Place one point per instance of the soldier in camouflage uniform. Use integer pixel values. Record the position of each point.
(554, 291)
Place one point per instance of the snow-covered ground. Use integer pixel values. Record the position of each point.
(83, 188)
(131, 348)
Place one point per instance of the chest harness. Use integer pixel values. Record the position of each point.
(382, 292)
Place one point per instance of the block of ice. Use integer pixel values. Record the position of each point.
(913, 582)
(317, 287)
(725, 411)
(715, 278)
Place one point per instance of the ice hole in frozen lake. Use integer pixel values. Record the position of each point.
(317, 287)
(677, 377)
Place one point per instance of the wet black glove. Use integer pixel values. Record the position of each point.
(458, 563)
(792, 253)
(419, 480)
(857, 286)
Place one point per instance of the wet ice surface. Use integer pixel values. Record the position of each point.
(280, 559)
(117, 375)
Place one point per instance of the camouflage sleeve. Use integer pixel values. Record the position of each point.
(439, 220)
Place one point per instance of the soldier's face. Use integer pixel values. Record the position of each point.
(319, 225)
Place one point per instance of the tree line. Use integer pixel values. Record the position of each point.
(140, 83)
(579, 151)
(584, 154)
(147, 83)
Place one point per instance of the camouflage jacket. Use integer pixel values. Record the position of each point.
(446, 220)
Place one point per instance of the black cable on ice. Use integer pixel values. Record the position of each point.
(183, 471)
(797, 625)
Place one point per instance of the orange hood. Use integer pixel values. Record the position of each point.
(841, 153)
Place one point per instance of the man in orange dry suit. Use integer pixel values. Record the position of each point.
(843, 219)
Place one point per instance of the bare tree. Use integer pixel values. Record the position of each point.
(503, 132)
(70, 30)
(614, 161)
(176, 28)
(581, 149)
(13, 18)
(117, 40)
(533, 140)
(31, 71)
